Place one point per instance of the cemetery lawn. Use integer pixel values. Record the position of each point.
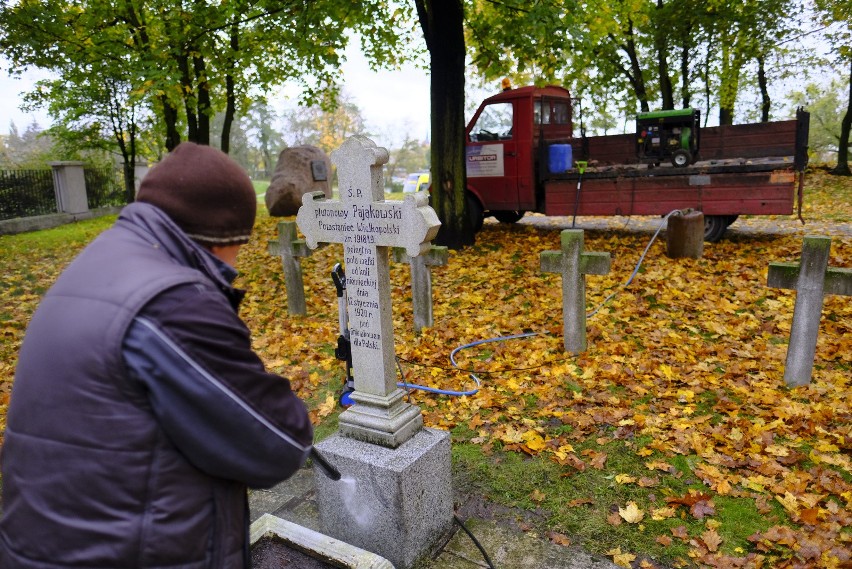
(672, 441)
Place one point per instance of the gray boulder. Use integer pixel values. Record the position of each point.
(300, 169)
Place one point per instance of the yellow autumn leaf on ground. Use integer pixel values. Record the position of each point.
(825, 446)
(621, 559)
(534, 440)
(658, 465)
(663, 513)
(625, 479)
(711, 539)
(326, 408)
(722, 487)
(631, 514)
(777, 450)
(789, 501)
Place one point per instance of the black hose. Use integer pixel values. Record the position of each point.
(475, 541)
(324, 465)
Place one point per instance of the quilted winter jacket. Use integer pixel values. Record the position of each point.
(140, 414)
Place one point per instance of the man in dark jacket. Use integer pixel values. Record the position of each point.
(139, 413)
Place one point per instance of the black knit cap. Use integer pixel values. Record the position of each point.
(205, 192)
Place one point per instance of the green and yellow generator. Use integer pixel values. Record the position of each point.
(668, 135)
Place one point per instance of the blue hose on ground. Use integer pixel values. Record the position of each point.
(476, 379)
(638, 264)
(472, 375)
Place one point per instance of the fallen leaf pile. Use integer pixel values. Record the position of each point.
(686, 362)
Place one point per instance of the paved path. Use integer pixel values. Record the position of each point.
(745, 225)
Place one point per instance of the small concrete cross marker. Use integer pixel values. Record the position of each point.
(291, 249)
(368, 226)
(574, 264)
(812, 279)
(421, 281)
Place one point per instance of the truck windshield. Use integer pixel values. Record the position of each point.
(494, 123)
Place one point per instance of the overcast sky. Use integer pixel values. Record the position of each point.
(392, 102)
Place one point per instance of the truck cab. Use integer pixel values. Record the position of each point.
(502, 142)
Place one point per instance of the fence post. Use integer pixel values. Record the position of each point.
(139, 172)
(69, 183)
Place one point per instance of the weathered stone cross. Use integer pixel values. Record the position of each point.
(421, 281)
(574, 264)
(367, 226)
(291, 249)
(812, 279)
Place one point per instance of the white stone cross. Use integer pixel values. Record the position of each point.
(291, 249)
(812, 279)
(368, 226)
(574, 264)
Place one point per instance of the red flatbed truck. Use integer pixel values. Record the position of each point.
(742, 169)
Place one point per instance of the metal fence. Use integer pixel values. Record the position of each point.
(25, 193)
(104, 187)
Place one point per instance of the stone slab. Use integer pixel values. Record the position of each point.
(396, 503)
(325, 550)
(287, 496)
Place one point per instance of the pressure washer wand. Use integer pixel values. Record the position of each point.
(581, 167)
(339, 279)
(324, 465)
(343, 351)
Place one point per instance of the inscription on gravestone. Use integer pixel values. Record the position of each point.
(368, 226)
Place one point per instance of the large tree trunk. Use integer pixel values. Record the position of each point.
(170, 118)
(842, 168)
(230, 96)
(765, 101)
(204, 106)
(189, 102)
(635, 76)
(660, 43)
(442, 22)
(684, 70)
(729, 85)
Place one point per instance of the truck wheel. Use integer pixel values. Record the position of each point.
(729, 219)
(508, 216)
(714, 227)
(681, 158)
(474, 212)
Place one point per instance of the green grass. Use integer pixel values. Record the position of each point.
(578, 503)
(69, 236)
(260, 187)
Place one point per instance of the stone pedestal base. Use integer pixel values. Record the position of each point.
(386, 421)
(396, 503)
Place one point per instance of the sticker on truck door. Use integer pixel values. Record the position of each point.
(484, 161)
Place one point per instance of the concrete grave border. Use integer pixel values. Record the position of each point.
(315, 544)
